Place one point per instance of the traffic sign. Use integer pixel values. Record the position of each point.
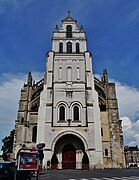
(28, 161)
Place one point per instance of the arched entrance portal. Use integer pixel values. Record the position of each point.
(68, 157)
(69, 150)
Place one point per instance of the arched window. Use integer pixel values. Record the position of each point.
(69, 47)
(69, 31)
(76, 113)
(77, 48)
(78, 73)
(60, 47)
(34, 134)
(69, 74)
(62, 113)
(106, 152)
(60, 72)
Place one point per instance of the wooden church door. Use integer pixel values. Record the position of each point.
(68, 157)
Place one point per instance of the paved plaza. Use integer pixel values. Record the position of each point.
(121, 174)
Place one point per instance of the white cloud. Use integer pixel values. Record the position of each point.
(130, 131)
(126, 123)
(128, 99)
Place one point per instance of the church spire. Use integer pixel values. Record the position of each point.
(105, 76)
(29, 79)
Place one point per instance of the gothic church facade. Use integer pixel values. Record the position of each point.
(71, 111)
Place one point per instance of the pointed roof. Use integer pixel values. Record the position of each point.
(69, 19)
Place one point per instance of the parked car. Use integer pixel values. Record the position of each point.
(7, 169)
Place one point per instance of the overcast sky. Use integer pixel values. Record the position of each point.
(112, 30)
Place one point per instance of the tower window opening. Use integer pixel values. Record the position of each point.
(101, 131)
(77, 48)
(62, 113)
(34, 134)
(69, 31)
(76, 113)
(60, 47)
(106, 152)
(69, 47)
(102, 107)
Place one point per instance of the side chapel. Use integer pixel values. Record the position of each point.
(70, 110)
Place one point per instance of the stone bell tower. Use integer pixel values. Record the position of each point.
(69, 115)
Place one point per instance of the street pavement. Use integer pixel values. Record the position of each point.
(111, 174)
